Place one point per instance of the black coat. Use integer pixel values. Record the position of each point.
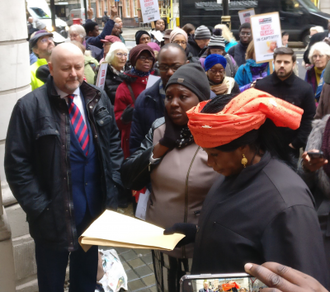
(192, 46)
(37, 163)
(112, 82)
(266, 213)
(238, 52)
(299, 93)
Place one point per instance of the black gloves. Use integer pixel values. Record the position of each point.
(127, 114)
(188, 229)
(172, 133)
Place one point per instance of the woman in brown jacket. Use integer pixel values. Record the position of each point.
(176, 168)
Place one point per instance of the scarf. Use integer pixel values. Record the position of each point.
(139, 73)
(186, 138)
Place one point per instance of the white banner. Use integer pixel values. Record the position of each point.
(244, 15)
(267, 36)
(149, 10)
(100, 80)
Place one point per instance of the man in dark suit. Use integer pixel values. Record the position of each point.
(62, 163)
(318, 37)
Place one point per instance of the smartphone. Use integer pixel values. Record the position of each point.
(234, 282)
(314, 155)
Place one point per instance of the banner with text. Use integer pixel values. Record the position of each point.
(267, 36)
(149, 10)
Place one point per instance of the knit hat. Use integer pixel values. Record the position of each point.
(214, 59)
(136, 52)
(39, 34)
(177, 31)
(193, 77)
(217, 40)
(110, 39)
(202, 33)
(139, 34)
(154, 46)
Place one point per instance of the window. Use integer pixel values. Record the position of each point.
(128, 8)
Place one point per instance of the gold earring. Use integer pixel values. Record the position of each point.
(244, 161)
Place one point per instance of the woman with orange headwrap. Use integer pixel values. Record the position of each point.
(274, 216)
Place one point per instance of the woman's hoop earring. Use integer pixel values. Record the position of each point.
(244, 161)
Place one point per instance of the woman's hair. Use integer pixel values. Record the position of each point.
(322, 47)
(317, 29)
(188, 28)
(79, 29)
(226, 33)
(113, 49)
(250, 51)
(267, 138)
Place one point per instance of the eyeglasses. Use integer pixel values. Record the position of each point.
(221, 71)
(120, 55)
(317, 56)
(245, 33)
(165, 68)
(180, 42)
(46, 39)
(144, 58)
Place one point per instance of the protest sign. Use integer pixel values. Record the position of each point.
(100, 80)
(149, 10)
(244, 15)
(267, 36)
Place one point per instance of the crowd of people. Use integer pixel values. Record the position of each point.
(216, 140)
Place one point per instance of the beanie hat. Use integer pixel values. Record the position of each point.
(214, 59)
(193, 77)
(154, 46)
(136, 52)
(89, 26)
(217, 40)
(139, 34)
(202, 33)
(177, 31)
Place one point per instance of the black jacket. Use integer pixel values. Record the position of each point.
(238, 52)
(37, 160)
(192, 47)
(112, 81)
(297, 92)
(266, 213)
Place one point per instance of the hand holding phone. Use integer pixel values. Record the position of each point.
(313, 160)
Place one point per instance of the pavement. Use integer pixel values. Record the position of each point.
(137, 264)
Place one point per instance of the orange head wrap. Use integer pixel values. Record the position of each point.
(229, 286)
(244, 113)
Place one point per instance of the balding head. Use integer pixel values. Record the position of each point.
(67, 67)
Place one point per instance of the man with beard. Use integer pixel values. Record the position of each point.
(62, 162)
(284, 84)
(42, 45)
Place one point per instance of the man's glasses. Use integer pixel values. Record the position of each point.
(144, 58)
(245, 33)
(165, 68)
(46, 39)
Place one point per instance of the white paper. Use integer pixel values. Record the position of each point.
(152, 80)
(267, 36)
(157, 35)
(141, 208)
(149, 10)
(100, 80)
(244, 15)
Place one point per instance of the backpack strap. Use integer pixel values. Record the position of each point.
(131, 91)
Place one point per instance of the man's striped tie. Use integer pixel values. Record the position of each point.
(78, 124)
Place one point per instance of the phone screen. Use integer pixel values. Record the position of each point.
(239, 282)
